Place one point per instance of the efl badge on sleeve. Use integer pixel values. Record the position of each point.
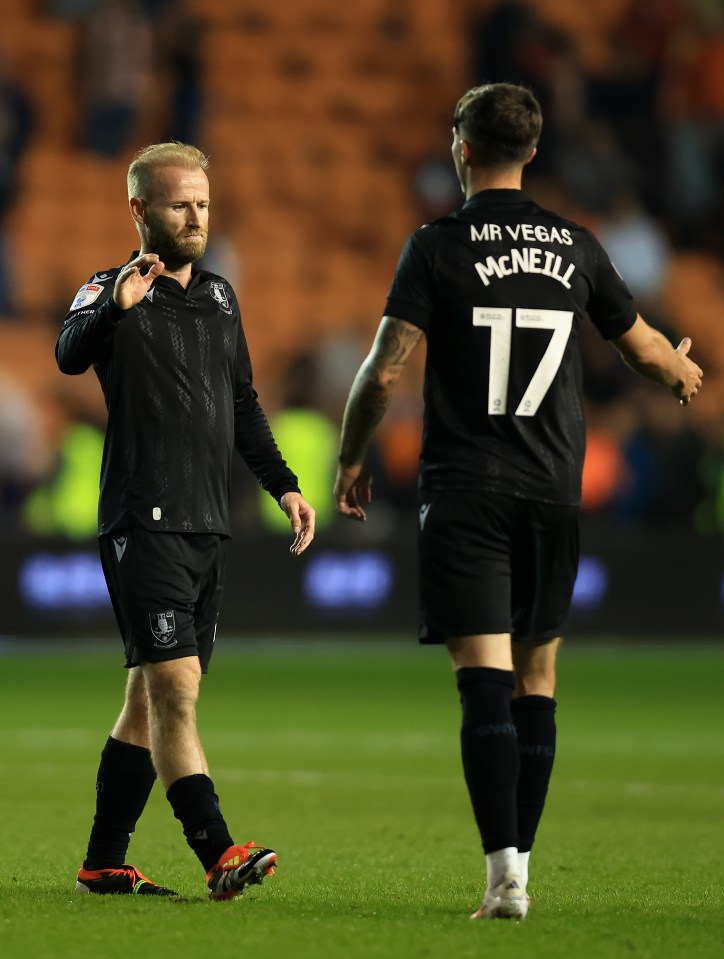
(163, 627)
(86, 295)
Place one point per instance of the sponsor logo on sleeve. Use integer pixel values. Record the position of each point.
(86, 295)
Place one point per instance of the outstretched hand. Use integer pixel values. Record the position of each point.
(691, 374)
(133, 283)
(353, 491)
(301, 516)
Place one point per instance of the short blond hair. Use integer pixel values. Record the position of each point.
(157, 155)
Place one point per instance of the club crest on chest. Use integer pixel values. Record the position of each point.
(218, 292)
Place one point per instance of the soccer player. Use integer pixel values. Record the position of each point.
(166, 342)
(499, 290)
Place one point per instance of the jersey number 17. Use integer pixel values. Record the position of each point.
(500, 322)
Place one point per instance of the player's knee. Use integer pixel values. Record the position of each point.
(539, 682)
(534, 666)
(173, 686)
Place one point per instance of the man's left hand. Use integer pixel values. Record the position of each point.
(301, 516)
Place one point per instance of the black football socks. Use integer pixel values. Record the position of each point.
(125, 779)
(490, 753)
(535, 722)
(196, 806)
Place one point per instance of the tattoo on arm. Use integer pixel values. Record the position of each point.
(395, 341)
(373, 386)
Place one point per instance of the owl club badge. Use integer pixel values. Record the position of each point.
(218, 292)
(163, 627)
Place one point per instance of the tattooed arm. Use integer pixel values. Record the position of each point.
(367, 403)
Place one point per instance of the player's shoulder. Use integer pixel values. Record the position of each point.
(96, 289)
(439, 223)
(107, 276)
(424, 243)
(427, 234)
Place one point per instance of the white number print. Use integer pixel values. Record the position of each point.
(500, 322)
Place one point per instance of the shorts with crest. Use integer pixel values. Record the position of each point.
(166, 592)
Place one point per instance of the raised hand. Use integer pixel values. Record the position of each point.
(135, 280)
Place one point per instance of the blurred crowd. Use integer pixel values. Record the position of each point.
(633, 148)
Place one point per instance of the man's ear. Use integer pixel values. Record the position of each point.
(138, 209)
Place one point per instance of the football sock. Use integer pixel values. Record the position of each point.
(490, 753)
(535, 721)
(125, 779)
(196, 806)
(523, 863)
(499, 863)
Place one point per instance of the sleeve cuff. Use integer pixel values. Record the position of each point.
(287, 489)
(409, 312)
(621, 326)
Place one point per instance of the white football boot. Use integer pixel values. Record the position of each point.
(507, 900)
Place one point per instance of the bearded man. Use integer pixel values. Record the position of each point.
(166, 342)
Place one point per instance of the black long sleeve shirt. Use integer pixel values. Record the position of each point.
(177, 380)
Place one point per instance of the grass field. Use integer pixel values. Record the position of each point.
(345, 760)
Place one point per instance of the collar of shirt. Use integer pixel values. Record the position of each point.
(172, 284)
(490, 197)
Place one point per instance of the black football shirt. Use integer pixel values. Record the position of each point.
(500, 289)
(177, 381)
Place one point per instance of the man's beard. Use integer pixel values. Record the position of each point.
(175, 250)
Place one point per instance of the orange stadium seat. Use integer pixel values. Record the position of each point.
(315, 116)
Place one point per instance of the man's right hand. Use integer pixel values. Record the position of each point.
(353, 491)
(649, 352)
(135, 280)
(691, 374)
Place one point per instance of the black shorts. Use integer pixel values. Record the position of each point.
(490, 563)
(166, 592)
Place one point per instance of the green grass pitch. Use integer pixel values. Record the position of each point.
(345, 760)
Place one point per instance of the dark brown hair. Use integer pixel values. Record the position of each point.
(501, 121)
